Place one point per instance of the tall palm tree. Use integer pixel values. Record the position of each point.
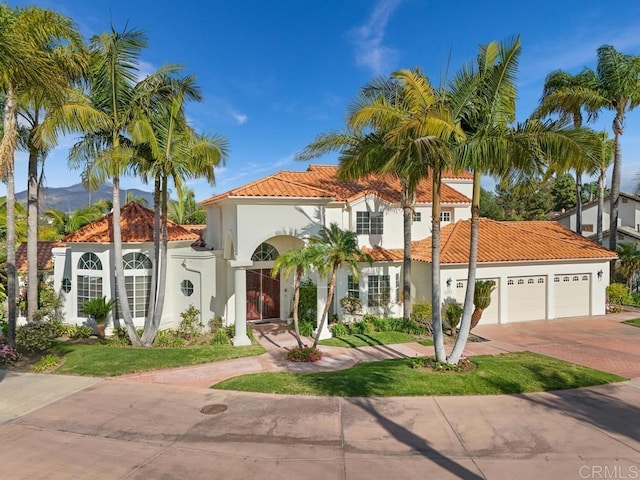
(185, 210)
(569, 109)
(298, 261)
(172, 151)
(68, 223)
(113, 74)
(333, 248)
(482, 98)
(628, 263)
(28, 61)
(603, 159)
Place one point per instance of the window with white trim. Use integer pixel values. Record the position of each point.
(137, 283)
(379, 290)
(88, 285)
(417, 216)
(265, 253)
(369, 223)
(445, 216)
(353, 288)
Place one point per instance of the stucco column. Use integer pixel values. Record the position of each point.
(240, 285)
(321, 302)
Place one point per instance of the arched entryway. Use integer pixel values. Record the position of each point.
(263, 290)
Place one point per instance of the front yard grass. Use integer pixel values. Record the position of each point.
(635, 322)
(500, 374)
(369, 339)
(106, 361)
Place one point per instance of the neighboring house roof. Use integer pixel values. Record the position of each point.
(503, 242)
(197, 229)
(321, 181)
(572, 211)
(136, 224)
(622, 230)
(45, 257)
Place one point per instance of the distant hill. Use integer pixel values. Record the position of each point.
(74, 197)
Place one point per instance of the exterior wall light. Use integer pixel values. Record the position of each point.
(600, 272)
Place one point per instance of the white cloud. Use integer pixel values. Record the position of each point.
(145, 69)
(239, 118)
(368, 38)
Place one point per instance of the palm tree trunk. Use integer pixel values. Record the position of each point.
(406, 257)
(615, 186)
(123, 303)
(325, 310)
(601, 186)
(7, 151)
(296, 303)
(32, 234)
(153, 286)
(162, 276)
(438, 338)
(579, 202)
(467, 311)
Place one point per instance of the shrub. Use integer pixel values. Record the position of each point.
(418, 362)
(308, 303)
(8, 354)
(363, 327)
(340, 330)
(76, 332)
(221, 337)
(306, 328)
(452, 313)
(120, 335)
(351, 305)
(635, 297)
(408, 326)
(168, 338)
(215, 323)
(46, 364)
(463, 365)
(382, 324)
(35, 336)
(422, 313)
(4, 326)
(231, 331)
(304, 354)
(617, 295)
(190, 326)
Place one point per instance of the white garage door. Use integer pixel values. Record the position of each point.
(492, 313)
(572, 295)
(527, 298)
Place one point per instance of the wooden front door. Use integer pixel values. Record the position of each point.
(263, 294)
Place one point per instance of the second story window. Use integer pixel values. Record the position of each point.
(445, 216)
(417, 216)
(369, 223)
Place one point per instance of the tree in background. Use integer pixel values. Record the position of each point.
(185, 210)
(562, 189)
(489, 208)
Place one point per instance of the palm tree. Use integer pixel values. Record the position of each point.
(334, 247)
(481, 299)
(628, 261)
(603, 158)
(549, 103)
(185, 210)
(171, 150)
(68, 223)
(298, 261)
(113, 73)
(28, 62)
(482, 98)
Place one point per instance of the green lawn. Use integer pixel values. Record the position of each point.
(101, 360)
(635, 322)
(368, 339)
(508, 373)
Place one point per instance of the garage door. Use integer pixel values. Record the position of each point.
(492, 313)
(572, 295)
(527, 298)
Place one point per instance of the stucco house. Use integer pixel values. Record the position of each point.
(628, 219)
(542, 270)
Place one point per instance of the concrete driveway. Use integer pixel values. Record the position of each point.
(601, 342)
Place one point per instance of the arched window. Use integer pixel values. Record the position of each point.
(137, 282)
(88, 286)
(89, 261)
(136, 261)
(265, 253)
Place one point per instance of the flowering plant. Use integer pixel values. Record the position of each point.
(304, 354)
(8, 354)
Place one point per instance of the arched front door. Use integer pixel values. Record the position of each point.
(263, 294)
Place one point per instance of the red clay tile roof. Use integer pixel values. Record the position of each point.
(136, 223)
(45, 258)
(511, 242)
(320, 181)
(379, 254)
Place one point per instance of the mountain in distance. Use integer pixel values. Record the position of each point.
(76, 196)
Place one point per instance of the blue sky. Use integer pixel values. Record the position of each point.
(274, 74)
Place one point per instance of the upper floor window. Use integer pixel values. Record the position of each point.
(265, 253)
(445, 216)
(136, 261)
(588, 227)
(89, 261)
(417, 216)
(369, 223)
